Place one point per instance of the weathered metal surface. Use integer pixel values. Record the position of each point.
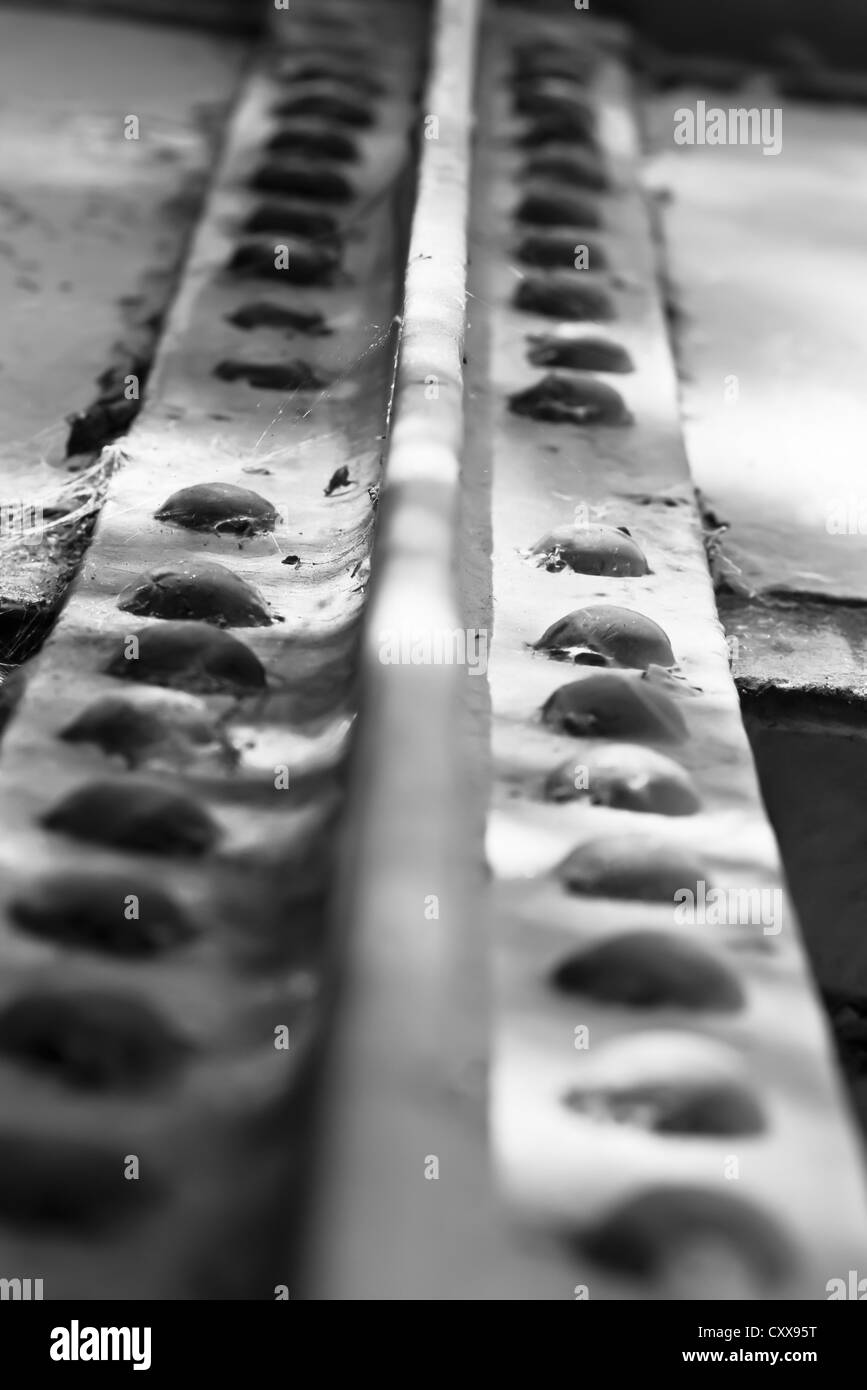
(405, 1209)
(762, 1194)
(220, 779)
(767, 305)
(652, 1111)
(104, 162)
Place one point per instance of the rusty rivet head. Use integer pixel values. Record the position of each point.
(592, 549)
(559, 123)
(220, 507)
(563, 295)
(331, 67)
(632, 865)
(571, 400)
(716, 1109)
(172, 729)
(556, 249)
(90, 1039)
(578, 351)
(564, 164)
(67, 1187)
(107, 912)
(626, 777)
(670, 1082)
(135, 814)
(262, 313)
(551, 207)
(605, 635)
(701, 1242)
(328, 103)
(650, 969)
(313, 138)
(301, 262)
(301, 178)
(198, 589)
(614, 704)
(294, 219)
(296, 375)
(190, 656)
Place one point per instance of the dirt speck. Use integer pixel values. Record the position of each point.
(339, 478)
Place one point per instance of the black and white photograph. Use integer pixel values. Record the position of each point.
(433, 671)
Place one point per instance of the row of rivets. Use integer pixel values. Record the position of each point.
(648, 969)
(93, 1039)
